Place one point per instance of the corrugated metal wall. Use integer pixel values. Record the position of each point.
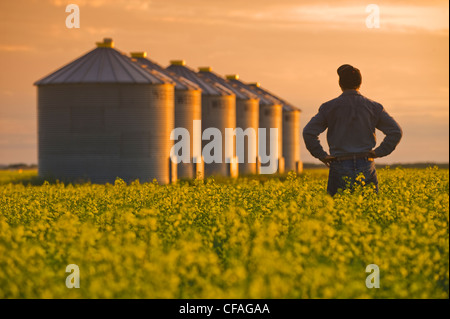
(247, 116)
(219, 111)
(188, 107)
(104, 131)
(270, 116)
(291, 140)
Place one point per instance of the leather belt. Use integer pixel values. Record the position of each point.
(353, 157)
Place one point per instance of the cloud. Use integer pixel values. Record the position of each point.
(96, 31)
(287, 15)
(15, 48)
(392, 18)
(395, 15)
(80, 3)
(128, 5)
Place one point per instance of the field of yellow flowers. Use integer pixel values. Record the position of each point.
(274, 237)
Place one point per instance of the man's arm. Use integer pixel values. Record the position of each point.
(393, 132)
(311, 133)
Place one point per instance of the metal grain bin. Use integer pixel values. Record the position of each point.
(218, 111)
(291, 140)
(291, 132)
(247, 116)
(188, 109)
(270, 116)
(102, 116)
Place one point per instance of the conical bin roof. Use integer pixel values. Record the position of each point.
(206, 73)
(104, 64)
(264, 99)
(209, 88)
(286, 105)
(181, 83)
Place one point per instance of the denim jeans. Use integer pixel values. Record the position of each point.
(339, 170)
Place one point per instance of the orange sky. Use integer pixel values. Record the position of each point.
(292, 48)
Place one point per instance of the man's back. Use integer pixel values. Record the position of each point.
(351, 120)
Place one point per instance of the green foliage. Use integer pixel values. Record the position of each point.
(237, 238)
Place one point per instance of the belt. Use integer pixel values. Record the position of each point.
(353, 157)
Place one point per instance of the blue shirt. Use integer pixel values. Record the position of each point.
(351, 120)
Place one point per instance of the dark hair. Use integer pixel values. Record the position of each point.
(349, 77)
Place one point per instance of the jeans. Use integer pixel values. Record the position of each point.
(342, 172)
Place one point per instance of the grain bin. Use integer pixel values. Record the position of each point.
(247, 116)
(218, 111)
(188, 109)
(291, 131)
(102, 116)
(270, 116)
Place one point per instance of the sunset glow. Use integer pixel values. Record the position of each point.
(292, 48)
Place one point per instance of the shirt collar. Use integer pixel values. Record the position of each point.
(351, 92)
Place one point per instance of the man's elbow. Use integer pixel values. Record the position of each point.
(398, 134)
(304, 132)
(308, 138)
(307, 133)
(395, 133)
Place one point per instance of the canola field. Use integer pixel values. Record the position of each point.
(254, 237)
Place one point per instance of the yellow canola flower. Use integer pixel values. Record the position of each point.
(280, 237)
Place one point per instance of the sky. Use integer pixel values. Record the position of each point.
(292, 48)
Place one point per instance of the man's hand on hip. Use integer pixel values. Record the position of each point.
(372, 154)
(327, 159)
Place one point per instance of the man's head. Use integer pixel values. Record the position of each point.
(349, 77)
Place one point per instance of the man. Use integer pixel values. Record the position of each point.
(351, 120)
